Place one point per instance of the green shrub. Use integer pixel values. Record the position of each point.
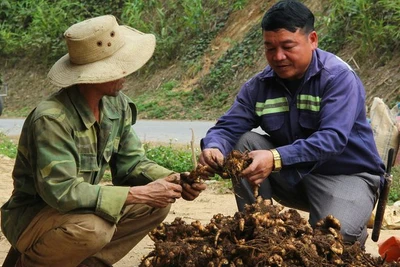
(176, 159)
(394, 193)
(371, 26)
(34, 28)
(7, 146)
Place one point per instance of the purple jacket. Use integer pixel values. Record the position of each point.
(321, 128)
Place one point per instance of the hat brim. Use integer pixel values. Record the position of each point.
(136, 51)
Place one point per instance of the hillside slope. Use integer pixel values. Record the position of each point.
(28, 83)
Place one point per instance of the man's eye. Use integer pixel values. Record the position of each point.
(288, 47)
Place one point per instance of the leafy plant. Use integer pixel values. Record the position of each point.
(176, 159)
(175, 23)
(370, 25)
(237, 5)
(35, 28)
(7, 147)
(394, 193)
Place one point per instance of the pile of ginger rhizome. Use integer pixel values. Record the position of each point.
(261, 235)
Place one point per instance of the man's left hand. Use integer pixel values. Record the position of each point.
(192, 191)
(260, 168)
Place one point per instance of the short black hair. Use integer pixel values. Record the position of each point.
(290, 15)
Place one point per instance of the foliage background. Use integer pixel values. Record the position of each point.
(364, 32)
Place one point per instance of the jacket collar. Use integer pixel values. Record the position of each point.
(108, 109)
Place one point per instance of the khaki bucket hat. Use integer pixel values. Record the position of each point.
(100, 50)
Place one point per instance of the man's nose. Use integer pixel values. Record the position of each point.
(279, 55)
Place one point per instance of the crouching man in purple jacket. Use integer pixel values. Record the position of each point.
(318, 152)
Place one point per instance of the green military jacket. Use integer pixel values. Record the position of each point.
(62, 156)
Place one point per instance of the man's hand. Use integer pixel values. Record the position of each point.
(213, 158)
(157, 194)
(260, 168)
(193, 190)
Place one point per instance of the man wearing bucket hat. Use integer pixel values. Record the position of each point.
(59, 214)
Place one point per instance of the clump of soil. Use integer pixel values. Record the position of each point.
(261, 235)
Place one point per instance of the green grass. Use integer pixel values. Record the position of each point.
(35, 28)
(176, 159)
(394, 193)
(7, 146)
(370, 26)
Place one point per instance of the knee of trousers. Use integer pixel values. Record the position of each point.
(252, 141)
(351, 237)
(93, 231)
(153, 216)
(159, 215)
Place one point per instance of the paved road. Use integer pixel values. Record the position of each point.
(148, 130)
(160, 131)
(171, 131)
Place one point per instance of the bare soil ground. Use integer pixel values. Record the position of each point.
(215, 199)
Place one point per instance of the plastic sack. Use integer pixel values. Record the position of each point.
(391, 219)
(384, 127)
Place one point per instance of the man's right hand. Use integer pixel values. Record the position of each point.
(213, 158)
(157, 194)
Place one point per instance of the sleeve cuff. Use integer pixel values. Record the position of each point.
(111, 201)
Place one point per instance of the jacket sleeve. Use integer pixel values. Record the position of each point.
(55, 163)
(240, 118)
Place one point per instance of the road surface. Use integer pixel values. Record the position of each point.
(161, 131)
(158, 131)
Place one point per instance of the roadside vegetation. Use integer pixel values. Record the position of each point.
(33, 29)
(370, 26)
(7, 146)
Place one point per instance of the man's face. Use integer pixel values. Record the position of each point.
(111, 88)
(288, 53)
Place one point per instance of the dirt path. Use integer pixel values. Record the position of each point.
(211, 201)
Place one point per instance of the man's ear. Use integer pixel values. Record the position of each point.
(313, 39)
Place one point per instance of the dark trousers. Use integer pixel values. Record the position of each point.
(349, 198)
